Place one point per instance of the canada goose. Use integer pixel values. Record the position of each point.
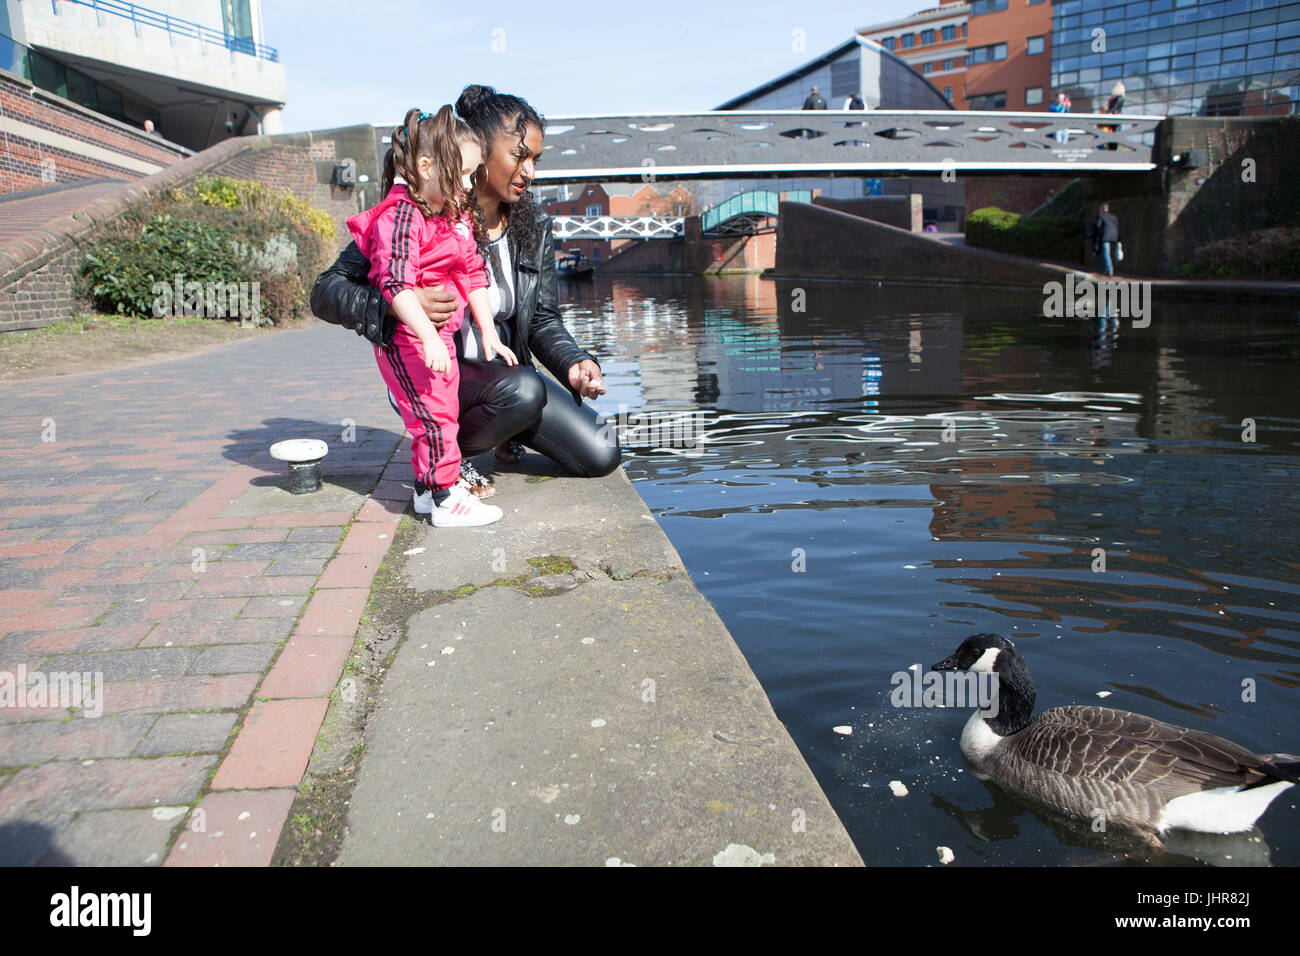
(1095, 762)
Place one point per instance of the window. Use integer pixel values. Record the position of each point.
(887, 43)
(81, 89)
(1033, 96)
(47, 74)
(948, 33)
(927, 36)
(927, 68)
(947, 93)
(1034, 46)
(909, 40)
(593, 210)
(947, 64)
(987, 54)
(989, 101)
(236, 20)
(73, 85)
(978, 7)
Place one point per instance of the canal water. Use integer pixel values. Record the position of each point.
(858, 477)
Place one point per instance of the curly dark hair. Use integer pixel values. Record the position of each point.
(439, 137)
(489, 113)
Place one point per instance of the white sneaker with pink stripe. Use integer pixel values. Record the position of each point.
(462, 509)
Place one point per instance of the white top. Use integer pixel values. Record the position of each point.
(299, 449)
(501, 299)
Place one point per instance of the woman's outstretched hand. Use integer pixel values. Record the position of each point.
(585, 378)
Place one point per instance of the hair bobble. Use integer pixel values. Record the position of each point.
(424, 115)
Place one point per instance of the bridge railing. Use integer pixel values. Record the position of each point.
(617, 227)
(752, 143)
(755, 204)
(174, 26)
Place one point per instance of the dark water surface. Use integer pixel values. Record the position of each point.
(824, 447)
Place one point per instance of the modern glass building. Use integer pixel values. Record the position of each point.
(197, 69)
(1179, 57)
(886, 82)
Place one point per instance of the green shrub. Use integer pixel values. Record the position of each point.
(984, 227)
(222, 231)
(122, 271)
(1054, 238)
(1262, 254)
(254, 197)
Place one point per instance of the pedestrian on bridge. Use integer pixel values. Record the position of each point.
(1061, 105)
(855, 102)
(1114, 105)
(814, 100)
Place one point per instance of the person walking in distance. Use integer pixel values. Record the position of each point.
(1105, 238)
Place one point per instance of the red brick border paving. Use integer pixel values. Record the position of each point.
(220, 632)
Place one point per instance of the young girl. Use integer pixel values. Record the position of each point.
(423, 233)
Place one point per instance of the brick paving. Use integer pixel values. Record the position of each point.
(152, 545)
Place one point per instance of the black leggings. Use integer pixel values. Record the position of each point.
(498, 402)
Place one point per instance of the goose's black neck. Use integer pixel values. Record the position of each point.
(1016, 694)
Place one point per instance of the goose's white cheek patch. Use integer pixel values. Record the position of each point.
(986, 661)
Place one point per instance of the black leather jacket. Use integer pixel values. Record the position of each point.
(343, 295)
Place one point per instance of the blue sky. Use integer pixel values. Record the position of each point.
(564, 58)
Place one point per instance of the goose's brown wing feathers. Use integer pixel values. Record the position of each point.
(1137, 751)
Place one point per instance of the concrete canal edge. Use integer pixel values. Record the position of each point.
(553, 690)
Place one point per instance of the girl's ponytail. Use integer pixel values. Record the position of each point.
(390, 174)
(437, 136)
(403, 149)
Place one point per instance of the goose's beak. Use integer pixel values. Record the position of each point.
(949, 663)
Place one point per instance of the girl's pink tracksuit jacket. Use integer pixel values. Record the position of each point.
(406, 250)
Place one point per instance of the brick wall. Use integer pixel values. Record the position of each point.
(1022, 194)
(112, 150)
(1248, 178)
(901, 212)
(815, 242)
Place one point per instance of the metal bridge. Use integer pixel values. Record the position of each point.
(617, 227)
(746, 214)
(735, 144)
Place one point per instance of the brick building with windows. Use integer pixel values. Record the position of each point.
(1008, 55)
(932, 42)
(590, 199)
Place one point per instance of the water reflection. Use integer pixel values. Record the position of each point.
(945, 461)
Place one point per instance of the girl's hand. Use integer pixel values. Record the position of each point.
(436, 357)
(495, 345)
